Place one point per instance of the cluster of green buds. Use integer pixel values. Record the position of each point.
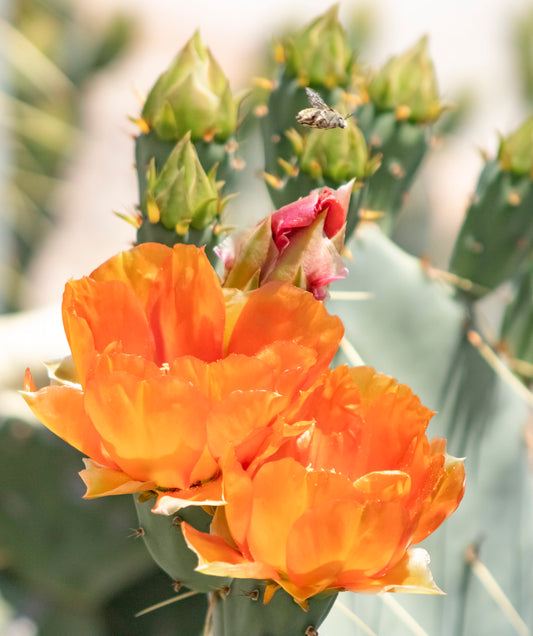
(299, 159)
(387, 115)
(496, 239)
(403, 103)
(185, 154)
(319, 54)
(182, 198)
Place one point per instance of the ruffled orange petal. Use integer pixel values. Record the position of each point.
(443, 500)
(235, 300)
(278, 311)
(62, 410)
(411, 574)
(218, 379)
(343, 535)
(394, 420)
(292, 365)
(238, 493)
(186, 307)
(336, 439)
(389, 485)
(216, 557)
(96, 314)
(102, 481)
(241, 421)
(152, 424)
(136, 267)
(279, 499)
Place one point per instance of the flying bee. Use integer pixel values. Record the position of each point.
(320, 115)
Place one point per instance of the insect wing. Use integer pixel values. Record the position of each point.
(315, 100)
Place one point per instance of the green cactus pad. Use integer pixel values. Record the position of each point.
(241, 610)
(496, 239)
(164, 540)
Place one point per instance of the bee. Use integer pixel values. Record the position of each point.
(320, 115)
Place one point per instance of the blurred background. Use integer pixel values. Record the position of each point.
(71, 74)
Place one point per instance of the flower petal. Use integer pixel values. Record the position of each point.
(279, 498)
(238, 493)
(394, 420)
(411, 574)
(99, 313)
(300, 213)
(278, 311)
(443, 500)
(102, 481)
(216, 557)
(241, 421)
(62, 410)
(219, 379)
(291, 365)
(152, 424)
(186, 307)
(136, 267)
(342, 536)
(336, 203)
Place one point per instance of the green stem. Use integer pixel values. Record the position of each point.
(242, 611)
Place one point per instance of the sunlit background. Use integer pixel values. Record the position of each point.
(73, 72)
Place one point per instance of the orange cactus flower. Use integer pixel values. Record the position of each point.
(339, 506)
(170, 369)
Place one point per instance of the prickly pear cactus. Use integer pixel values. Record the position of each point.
(388, 130)
(185, 154)
(403, 102)
(517, 327)
(415, 323)
(298, 159)
(496, 238)
(43, 92)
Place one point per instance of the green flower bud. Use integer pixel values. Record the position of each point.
(516, 151)
(182, 194)
(338, 155)
(193, 94)
(407, 84)
(320, 55)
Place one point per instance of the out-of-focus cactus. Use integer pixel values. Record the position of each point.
(319, 54)
(523, 49)
(49, 56)
(191, 99)
(403, 102)
(495, 241)
(517, 327)
(72, 566)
